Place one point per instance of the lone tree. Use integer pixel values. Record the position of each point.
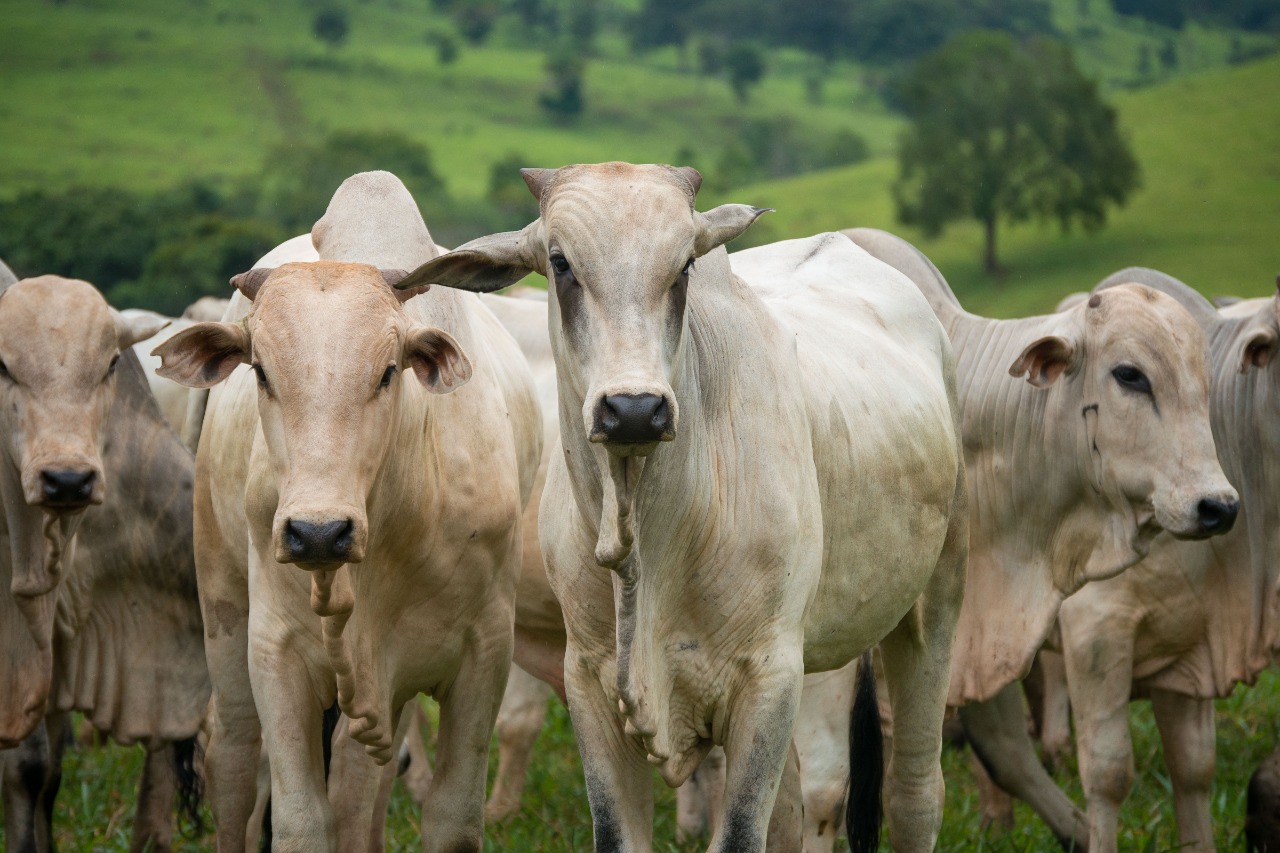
(1000, 131)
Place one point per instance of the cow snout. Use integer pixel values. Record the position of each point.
(1216, 517)
(634, 419)
(67, 489)
(328, 542)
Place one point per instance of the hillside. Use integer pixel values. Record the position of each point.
(1208, 211)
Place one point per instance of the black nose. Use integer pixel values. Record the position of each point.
(634, 418)
(67, 488)
(1217, 517)
(318, 543)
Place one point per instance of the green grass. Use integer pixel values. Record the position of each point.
(95, 807)
(1208, 210)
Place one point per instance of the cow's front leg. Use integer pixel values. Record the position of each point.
(1187, 732)
(619, 783)
(30, 775)
(453, 814)
(997, 731)
(153, 820)
(292, 733)
(757, 747)
(1099, 655)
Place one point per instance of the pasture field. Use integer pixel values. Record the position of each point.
(1208, 211)
(95, 807)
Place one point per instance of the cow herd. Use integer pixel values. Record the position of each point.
(708, 500)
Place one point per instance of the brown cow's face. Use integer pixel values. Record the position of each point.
(1145, 383)
(59, 343)
(328, 343)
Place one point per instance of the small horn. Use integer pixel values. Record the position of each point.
(393, 277)
(249, 283)
(692, 175)
(537, 180)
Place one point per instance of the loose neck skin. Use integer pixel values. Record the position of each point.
(1034, 477)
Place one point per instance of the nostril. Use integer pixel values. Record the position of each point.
(67, 486)
(662, 417)
(608, 416)
(634, 418)
(1217, 516)
(319, 542)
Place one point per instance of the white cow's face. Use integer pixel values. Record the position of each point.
(327, 343)
(618, 244)
(59, 344)
(1140, 361)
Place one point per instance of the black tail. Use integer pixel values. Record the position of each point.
(187, 757)
(863, 811)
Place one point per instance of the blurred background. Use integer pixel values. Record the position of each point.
(1030, 147)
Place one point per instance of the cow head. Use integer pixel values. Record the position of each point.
(618, 244)
(1140, 363)
(59, 343)
(328, 343)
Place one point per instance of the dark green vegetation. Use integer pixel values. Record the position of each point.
(1003, 132)
(95, 808)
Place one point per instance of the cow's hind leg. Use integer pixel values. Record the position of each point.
(1187, 732)
(520, 719)
(917, 667)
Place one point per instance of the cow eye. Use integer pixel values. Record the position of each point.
(1132, 378)
(4, 371)
(262, 377)
(688, 267)
(111, 368)
(387, 376)
(559, 264)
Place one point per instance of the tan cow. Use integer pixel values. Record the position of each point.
(1193, 619)
(387, 447)
(1073, 472)
(98, 586)
(756, 480)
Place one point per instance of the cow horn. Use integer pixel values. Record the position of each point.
(692, 175)
(393, 277)
(249, 283)
(537, 180)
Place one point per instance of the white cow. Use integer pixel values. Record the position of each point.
(757, 480)
(388, 447)
(1073, 474)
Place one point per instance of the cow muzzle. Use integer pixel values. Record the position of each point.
(319, 543)
(1203, 516)
(633, 419)
(63, 485)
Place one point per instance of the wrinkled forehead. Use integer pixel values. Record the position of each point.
(323, 305)
(41, 315)
(1135, 319)
(598, 209)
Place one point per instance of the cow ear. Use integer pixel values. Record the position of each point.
(721, 224)
(1044, 361)
(1258, 348)
(437, 359)
(203, 355)
(137, 326)
(483, 265)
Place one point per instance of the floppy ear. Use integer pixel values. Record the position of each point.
(203, 355)
(137, 326)
(1044, 361)
(721, 224)
(483, 265)
(249, 283)
(437, 359)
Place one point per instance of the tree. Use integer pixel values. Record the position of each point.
(330, 26)
(1000, 131)
(744, 63)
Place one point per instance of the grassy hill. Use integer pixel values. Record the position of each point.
(1208, 212)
